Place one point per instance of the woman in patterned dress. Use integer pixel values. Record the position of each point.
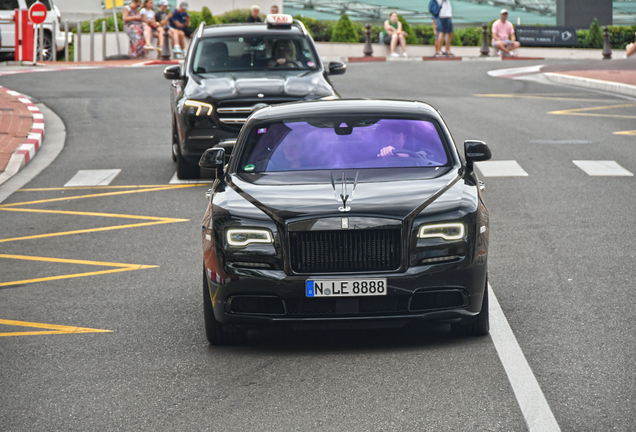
(133, 26)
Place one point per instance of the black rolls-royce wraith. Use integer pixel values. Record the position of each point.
(344, 210)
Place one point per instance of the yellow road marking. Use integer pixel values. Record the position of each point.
(630, 132)
(154, 189)
(121, 267)
(90, 230)
(51, 328)
(538, 96)
(77, 213)
(584, 111)
(99, 187)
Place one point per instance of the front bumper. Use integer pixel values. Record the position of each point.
(255, 298)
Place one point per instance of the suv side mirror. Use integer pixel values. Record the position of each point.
(337, 68)
(213, 158)
(172, 72)
(476, 151)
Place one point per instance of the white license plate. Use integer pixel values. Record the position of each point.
(345, 287)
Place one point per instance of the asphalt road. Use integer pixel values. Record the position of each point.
(561, 265)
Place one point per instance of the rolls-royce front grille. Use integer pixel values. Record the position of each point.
(345, 251)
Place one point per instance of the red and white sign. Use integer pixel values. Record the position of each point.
(37, 13)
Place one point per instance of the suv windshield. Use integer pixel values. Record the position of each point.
(343, 144)
(236, 53)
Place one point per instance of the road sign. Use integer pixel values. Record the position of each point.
(108, 4)
(37, 13)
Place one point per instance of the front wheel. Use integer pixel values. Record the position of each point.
(478, 325)
(186, 170)
(214, 330)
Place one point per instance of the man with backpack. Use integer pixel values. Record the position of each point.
(442, 9)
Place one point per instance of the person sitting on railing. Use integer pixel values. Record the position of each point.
(133, 28)
(151, 27)
(630, 49)
(179, 22)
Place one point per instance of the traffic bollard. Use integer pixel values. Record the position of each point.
(607, 49)
(165, 48)
(66, 53)
(485, 49)
(78, 48)
(368, 49)
(92, 51)
(103, 40)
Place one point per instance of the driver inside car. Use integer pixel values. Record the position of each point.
(284, 55)
(396, 140)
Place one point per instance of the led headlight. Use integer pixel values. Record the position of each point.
(198, 108)
(449, 231)
(242, 237)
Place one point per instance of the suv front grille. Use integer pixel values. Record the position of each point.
(345, 251)
(237, 111)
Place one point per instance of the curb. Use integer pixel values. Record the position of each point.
(594, 84)
(30, 146)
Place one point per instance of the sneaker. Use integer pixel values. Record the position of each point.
(404, 54)
(438, 54)
(393, 54)
(176, 49)
(513, 54)
(149, 47)
(449, 54)
(444, 54)
(498, 53)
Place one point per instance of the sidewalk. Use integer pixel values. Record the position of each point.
(614, 76)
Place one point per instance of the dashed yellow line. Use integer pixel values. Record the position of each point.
(585, 111)
(629, 132)
(50, 329)
(120, 267)
(539, 96)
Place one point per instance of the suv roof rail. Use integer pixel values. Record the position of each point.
(201, 27)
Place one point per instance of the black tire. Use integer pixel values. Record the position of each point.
(214, 330)
(48, 47)
(479, 325)
(185, 170)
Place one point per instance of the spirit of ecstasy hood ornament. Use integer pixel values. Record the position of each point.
(344, 196)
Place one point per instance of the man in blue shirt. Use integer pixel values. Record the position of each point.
(179, 22)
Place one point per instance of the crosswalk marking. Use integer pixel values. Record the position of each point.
(602, 168)
(93, 177)
(506, 168)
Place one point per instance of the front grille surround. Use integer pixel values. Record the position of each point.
(345, 251)
(236, 112)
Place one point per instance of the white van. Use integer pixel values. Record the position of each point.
(7, 26)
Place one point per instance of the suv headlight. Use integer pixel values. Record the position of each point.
(198, 108)
(243, 236)
(449, 231)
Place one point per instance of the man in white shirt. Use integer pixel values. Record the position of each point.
(445, 29)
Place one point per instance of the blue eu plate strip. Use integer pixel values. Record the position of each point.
(310, 288)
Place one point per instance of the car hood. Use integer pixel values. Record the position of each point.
(251, 84)
(395, 199)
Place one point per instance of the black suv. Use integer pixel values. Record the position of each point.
(231, 71)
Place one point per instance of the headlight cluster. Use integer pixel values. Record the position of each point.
(448, 232)
(198, 108)
(242, 236)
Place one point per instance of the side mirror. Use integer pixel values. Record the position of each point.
(172, 72)
(213, 158)
(337, 68)
(476, 151)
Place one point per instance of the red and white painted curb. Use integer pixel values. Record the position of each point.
(27, 150)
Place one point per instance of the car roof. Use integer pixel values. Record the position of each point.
(346, 107)
(250, 29)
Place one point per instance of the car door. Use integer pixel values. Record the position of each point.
(7, 24)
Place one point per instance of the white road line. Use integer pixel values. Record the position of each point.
(93, 177)
(175, 180)
(501, 169)
(602, 168)
(530, 397)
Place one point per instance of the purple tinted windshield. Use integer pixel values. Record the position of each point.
(300, 146)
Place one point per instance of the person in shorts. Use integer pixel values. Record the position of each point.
(161, 18)
(394, 35)
(438, 41)
(445, 28)
(179, 21)
(503, 35)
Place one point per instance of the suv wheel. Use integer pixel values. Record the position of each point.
(47, 49)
